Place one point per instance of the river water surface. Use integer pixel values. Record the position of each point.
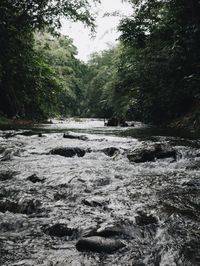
(49, 202)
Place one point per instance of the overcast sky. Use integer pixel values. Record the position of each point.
(106, 29)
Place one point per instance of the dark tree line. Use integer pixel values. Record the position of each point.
(29, 85)
(153, 74)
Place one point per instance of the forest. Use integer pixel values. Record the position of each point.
(151, 75)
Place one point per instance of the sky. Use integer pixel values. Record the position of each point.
(106, 31)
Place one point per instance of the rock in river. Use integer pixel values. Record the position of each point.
(144, 219)
(6, 175)
(68, 152)
(110, 151)
(61, 230)
(151, 153)
(35, 179)
(69, 136)
(99, 244)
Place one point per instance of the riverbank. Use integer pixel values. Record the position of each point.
(8, 122)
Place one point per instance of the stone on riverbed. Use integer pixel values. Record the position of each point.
(151, 153)
(61, 230)
(28, 206)
(6, 175)
(110, 151)
(99, 244)
(143, 219)
(69, 136)
(35, 179)
(95, 201)
(68, 152)
(8, 205)
(24, 205)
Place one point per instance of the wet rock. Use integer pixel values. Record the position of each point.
(112, 122)
(194, 165)
(106, 232)
(6, 175)
(40, 135)
(110, 151)
(151, 153)
(61, 230)
(191, 251)
(68, 152)
(124, 124)
(194, 183)
(2, 150)
(9, 135)
(99, 244)
(138, 263)
(95, 201)
(28, 206)
(8, 205)
(35, 179)
(143, 219)
(69, 136)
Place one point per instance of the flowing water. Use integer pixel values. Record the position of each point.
(49, 202)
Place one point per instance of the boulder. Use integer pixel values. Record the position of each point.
(116, 121)
(151, 153)
(95, 201)
(35, 179)
(6, 175)
(110, 151)
(124, 124)
(144, 219)
(68, 152)
(99, 244)
(28, 206)
(8, 205)
(60, 230)
(69, 136)
(107, 232)
(112, 122)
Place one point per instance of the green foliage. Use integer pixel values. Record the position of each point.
(32, 79)
(159, 66)
(100, 83)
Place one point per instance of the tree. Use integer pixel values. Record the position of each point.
(25, 76)
(159, 65)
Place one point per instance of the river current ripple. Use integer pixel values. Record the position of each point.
(49, 202)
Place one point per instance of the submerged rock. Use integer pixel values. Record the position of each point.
(194, 183)
(61, 230)
(95, 201)
(116, 121)
(143, 219)
(35, 179)
(69, 136)
(25, 206)
(107, 232)
(110, 151)
(8, 205)
(99, 244)
(28, 206)
(152, 153)
(68, 152)
(6, 175)
(112, 122)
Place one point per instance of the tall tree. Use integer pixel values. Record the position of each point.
(161, 70)
(24, 75)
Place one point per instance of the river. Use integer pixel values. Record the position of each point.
(99, 196)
